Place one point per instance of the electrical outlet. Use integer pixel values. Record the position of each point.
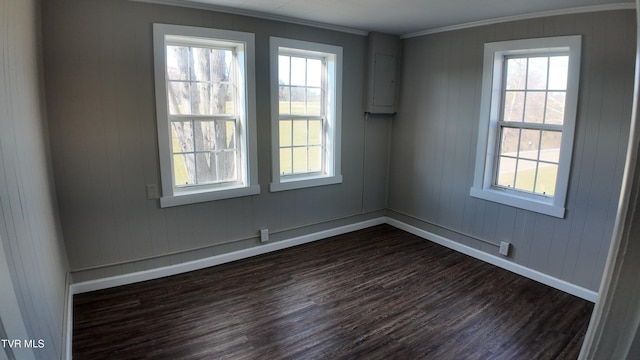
(504, 248)
(264, 235)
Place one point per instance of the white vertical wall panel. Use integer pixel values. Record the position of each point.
(435, 133)
(30, 233)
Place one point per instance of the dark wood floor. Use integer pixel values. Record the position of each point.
(379, 293)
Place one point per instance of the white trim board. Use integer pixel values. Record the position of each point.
(68, 325)
(503, 263)
(131, 278)
(140, 276)
(164, 271)
(255, 14)
(535, 275)
(577, 10)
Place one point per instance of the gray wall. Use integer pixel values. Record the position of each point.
(100, 94)
(99, 82)
(435, 135)
(30, 237)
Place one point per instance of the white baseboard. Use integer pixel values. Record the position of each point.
(135, 277)
(131, 278)
(549, 280)
(68, 325)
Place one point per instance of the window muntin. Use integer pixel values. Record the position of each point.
(301, 146)
(302, 125)
(527, 122)
(205, 96)
(202, 97)
(530, 129)
(204, 151)
(306, 86)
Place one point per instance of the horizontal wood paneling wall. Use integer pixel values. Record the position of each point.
(435, 135)
(34, 260)
(100, 92)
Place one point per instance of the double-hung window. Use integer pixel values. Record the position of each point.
(205, 99)
(528, 112)
(306, 106)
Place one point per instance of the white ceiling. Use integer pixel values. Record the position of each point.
(399, 17)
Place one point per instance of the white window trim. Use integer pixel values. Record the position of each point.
(174, 196)
(333, 173)
(494, 54)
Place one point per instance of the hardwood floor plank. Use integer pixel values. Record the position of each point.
(378, 293)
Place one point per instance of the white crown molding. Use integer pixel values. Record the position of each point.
(578, 10)
(256, 14)
(344, 29)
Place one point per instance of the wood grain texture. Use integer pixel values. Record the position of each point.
(378, 293)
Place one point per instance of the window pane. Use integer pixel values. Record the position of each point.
(506, 171)
(220, 66)
(226, 166)
(300, 160)
(525, 175)
(211, 99)
(315, 158)
(298, 71)
(558, 72)
(224, 134)
(555, 108)
(184, 170)
(516, 74)
(315, 132)
(513, 106)
(314, 72)
(546, 181)
(529, 144)
(177, 62)
(200, 99)
(206, 166)
(285, 133)
(230, 126)
(226, 105)
(178, 98)
(550, 146)
(205, 135)
(285, 161)
(509, 141)
(298, 95)
(313, 101)
(534, 112)
(200, 64)
(284, 99)
(303, 121)
(283, 70)
(182, 136)
(537, 73)
(299, 132)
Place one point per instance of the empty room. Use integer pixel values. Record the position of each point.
(204, 179)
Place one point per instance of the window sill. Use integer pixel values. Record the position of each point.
(198, 196)
(509, 198)
(300, 183)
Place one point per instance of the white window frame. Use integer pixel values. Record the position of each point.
(332, 102)
(490, 113)
(244, 47)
